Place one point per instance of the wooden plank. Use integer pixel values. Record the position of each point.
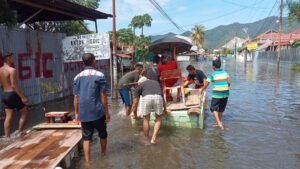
(39, 149)
(57, 126)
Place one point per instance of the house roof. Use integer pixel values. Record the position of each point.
(54, 10)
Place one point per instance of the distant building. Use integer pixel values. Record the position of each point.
(235, 40)
(270, 39)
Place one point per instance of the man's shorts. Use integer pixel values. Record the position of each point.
(126, 96)
(88, 129)
(218, 104)
(152, 103)
(12, 101)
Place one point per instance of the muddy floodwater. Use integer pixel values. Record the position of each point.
(262, 128)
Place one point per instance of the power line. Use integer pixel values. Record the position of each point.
(162, 11)
(214, 18)
(240, 5)
(263, 25)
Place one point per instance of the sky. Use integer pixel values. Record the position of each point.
(186, 13)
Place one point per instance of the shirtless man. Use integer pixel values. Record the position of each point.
(13, 97)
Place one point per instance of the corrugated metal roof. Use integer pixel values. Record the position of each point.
(54, 10)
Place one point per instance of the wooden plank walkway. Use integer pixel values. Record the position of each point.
(40, 149)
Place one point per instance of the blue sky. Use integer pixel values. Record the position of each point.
(186, 13)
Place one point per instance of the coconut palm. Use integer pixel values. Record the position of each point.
(146, 20)
(198, 35)
(135, 23)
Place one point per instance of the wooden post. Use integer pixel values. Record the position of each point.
(114, 57)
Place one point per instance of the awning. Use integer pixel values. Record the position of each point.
(53, 10)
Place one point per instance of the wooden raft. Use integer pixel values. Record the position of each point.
(40, 149)
(57, 126)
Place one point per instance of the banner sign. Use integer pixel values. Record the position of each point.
(251, 46)
(75, 46)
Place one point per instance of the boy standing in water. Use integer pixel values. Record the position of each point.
(221, 83)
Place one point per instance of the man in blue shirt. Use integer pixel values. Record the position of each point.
(90, 104)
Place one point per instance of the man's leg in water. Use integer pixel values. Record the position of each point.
(220, 114)
(146, 125)
(8, 117)
(156, 128)
(103, 144)
(216, 114)
(86, 149)
(127, 110)
(23, 118)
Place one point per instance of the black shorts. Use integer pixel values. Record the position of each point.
(12, 101)
(218, 104)
(88, 129)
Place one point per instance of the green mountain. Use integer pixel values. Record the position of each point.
(216, 37)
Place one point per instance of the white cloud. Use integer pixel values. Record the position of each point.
(127, 9)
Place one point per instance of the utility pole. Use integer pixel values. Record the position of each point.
(235, 46)
(114, 57)
(280, 32)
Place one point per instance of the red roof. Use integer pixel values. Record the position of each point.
(285, 38)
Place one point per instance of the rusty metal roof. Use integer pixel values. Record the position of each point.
(54, 10)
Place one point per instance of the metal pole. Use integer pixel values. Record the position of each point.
(235, 46)
(96, 26)
(114, 59)
(29, 18)
(280, 32)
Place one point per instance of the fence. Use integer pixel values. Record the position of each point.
(291, 55)
(42, 74)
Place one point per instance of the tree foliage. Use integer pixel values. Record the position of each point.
(198, 35)
(125, 37)
(140, 21)
(141, 44)
(69, 27)
(294, 10)
(7, 16)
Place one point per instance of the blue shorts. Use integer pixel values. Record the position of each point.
(126, 96)
(218, 104)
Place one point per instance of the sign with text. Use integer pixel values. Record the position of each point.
(75, 46)
(251, 46)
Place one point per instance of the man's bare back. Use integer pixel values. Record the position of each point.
(6, 73)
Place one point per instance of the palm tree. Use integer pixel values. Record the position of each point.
(135, 21)
(198, 35)
(140, 21)
(146, 21)
(294, 11)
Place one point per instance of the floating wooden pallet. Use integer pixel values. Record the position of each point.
(57, 126)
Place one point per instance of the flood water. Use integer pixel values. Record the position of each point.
(262, 128)
(262, 123)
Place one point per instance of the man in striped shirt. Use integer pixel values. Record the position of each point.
(221, 83)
